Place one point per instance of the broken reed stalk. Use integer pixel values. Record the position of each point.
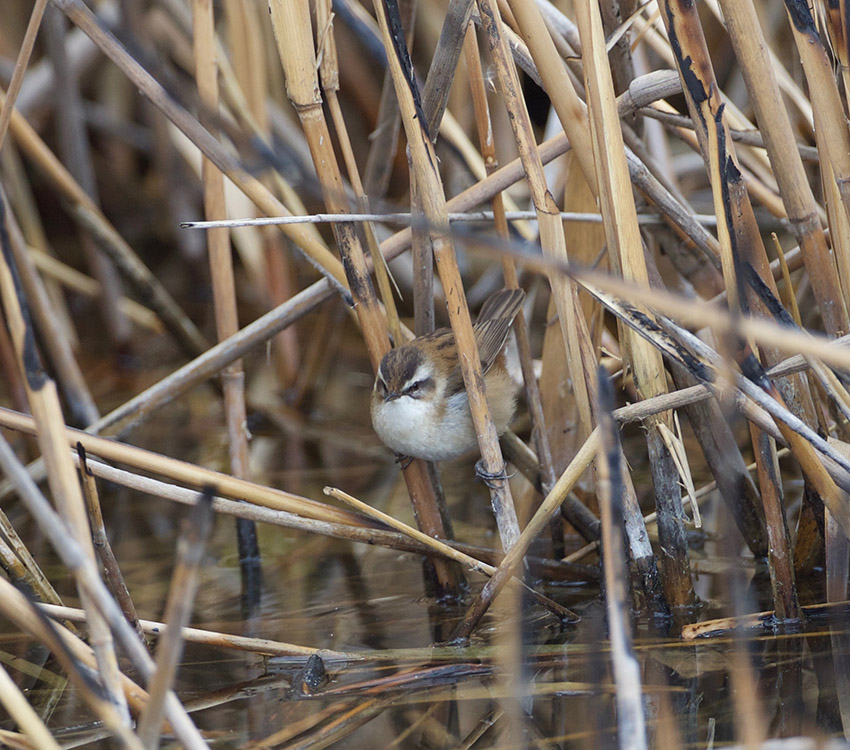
(111, 572)
(43, 400)
(224, 300)
(430, 189)
(191, 547)
(630, 719)
(294, 35)
(625, 251)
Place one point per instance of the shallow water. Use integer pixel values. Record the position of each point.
(525, 679)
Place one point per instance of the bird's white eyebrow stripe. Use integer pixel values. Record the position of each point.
(423, 372)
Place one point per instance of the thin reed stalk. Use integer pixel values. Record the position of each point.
(111, 572)
(178, 609)
(429, 187)
(626, 253)
(293, 31)
(43, 400)
(630, 719)
(21, 63)
(224, 301)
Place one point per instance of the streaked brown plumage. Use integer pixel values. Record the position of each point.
(419, 402)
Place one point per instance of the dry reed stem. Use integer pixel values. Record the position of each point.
(77, 154)
(781, 564)
(732, 255)
(74, 556)
(801, 439)
(551, 230)
(575, 512)
(76, 281)
(25, 717)
(543, 568)
(833, 139)
(751, 49)
(49, 423)
(70, 650)
(21, 611)
(447, 551)
(19, 554)
(535, 526)
(837, 548)
(429, 187)
(726, 463)
(27, 44)
(741, 237)
(224, 301)
(191, 546)
(689, 311)
(111, 572)
(84, 211)
(625, 250)
(294, 36)
(23, 205)
(329, 76)
(204, 367)
(571, 111)
(185, 472)
(444, 61)
(213, 638)
(335, 723)
(63, 360)
(630, 720)
(319, 255)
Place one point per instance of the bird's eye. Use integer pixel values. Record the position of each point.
(413, 389)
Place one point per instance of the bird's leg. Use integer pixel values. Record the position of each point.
(402, 460)
(491, 479)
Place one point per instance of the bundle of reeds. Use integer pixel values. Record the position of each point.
(669, 183)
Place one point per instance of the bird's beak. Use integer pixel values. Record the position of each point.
(391, 397)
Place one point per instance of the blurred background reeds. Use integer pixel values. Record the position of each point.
(216, 218)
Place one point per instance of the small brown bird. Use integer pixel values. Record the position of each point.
(419, 403)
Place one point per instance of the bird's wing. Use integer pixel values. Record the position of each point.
(494, 322)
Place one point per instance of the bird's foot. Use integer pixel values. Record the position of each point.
(492, 479)
(403, 461)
